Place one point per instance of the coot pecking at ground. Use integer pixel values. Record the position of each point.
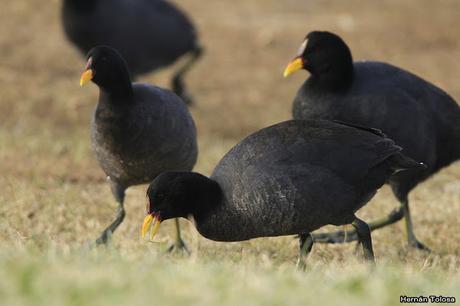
(138, 131)
(290, 178)
(149, 34)
(417, 115)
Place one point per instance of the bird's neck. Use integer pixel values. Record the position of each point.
(117, 96)
(116, 87)
(204, 195)
(336, 80)
(210, 197)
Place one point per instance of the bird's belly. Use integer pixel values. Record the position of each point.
(129, 167)
(238, 232)
(225, 226)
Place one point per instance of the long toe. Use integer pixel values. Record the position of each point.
(301, 265)
(179, 247)
(104, 238)
(187, 98)
(419, 246)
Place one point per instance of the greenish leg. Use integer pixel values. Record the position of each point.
(178, 85)
(179, 244)
(412, 240)
(119, 194)
(351, 235)
(306, 244)
(393, 217)
(364, 235)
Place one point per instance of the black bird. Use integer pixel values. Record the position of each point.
(417, 115)
(290, 178)
(138, 131)
(149, 34)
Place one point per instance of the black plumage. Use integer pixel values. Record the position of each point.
(138, 131)
(149, 34)
(290, 178)
(417, 115)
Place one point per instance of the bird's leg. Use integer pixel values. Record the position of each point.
(351, 235)
(178, 85)
(119, 194)
(306, 244)
(396, 215)
(179, 244)
(412, 240)
(364, 235)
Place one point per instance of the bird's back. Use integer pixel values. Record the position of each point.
(295, 177)
(417, 115)
(135, 143)
(149, 34)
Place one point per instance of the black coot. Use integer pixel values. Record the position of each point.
(290, 178)
(138, 131)
(149, 34)
(417, 115)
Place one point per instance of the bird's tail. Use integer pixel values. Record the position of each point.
(400, 162)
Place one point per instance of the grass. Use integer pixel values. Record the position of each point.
(55, 200)
(30, 277)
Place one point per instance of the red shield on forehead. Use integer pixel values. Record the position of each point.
(302, 48)
(89, 63)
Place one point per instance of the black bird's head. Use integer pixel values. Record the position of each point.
(321, 53)
(107, 69)
(178, 194)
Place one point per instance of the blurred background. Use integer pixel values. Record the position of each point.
(54, 194)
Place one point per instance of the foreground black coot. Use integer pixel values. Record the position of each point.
(149, 34)
(290, 178)
(417, 115)
(138, 131)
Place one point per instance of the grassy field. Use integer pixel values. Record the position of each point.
(54, 198)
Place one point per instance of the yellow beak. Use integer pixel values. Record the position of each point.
(86, 77)
(148, 221)
(293, 66)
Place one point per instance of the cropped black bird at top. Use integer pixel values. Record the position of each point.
(149, 34)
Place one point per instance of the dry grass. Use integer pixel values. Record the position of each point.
(55, 199)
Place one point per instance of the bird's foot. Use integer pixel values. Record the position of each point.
(358, 248)
(104, 238)
(186, 97)
(301, 265)
(414, 243)
(179, 246)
